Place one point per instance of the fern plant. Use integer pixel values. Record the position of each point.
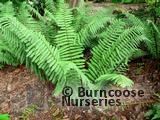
(151, 29)
(58, 56)
(150, 23)
(154, 112)
(154, 45)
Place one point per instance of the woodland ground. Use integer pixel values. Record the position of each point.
(20, 90)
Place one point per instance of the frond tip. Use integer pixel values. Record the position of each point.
(116, 79)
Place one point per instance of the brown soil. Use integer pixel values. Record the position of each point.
(20, 89)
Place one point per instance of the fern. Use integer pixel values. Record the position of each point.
(154, 112)
(34, 48)
(113, 50)
(154, 44)
(41, 53)
(6, 54)
(89, 30)
(7, 9)
(50, 6)
(152, 33)
(66, 38)
(138, 53)
(23, 15)
(114, 78)
(56, 54)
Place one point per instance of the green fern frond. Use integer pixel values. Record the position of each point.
(7, 9)
(81, 17)
(153, 34)
(66, 38)
(50, 16)
(156, 41)
(33, 11)
(26, 18)
(90, 30)
(114, 49)
(39, 52)
(134, 21)
(126, 43)
(7, 53)
(79, 79)
(106, 40)
(148, 32)
(7, 59)
(13, 44)
(19, 54)
(50, 5)
(116, 79)
(138, 53)
(37, 48)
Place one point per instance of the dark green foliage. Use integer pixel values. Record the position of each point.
(153, 29)
(150, 24)
(154, 112)
(128, 1)
(99, 0)
(133, 1)
(153, 33)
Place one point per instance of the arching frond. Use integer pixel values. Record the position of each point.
(114, 49)
(117, 79)
(37, 48)
(94, 25)
(7, 9)
(153, 46)
(50, 5)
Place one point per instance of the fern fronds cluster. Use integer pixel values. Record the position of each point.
(152, 33)
(153, 45)
(53, 44)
